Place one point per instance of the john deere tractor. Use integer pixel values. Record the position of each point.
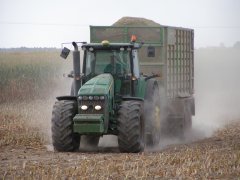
(109, 95)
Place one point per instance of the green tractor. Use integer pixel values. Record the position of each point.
(109, 96)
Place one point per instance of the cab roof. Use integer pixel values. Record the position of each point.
(117, 46)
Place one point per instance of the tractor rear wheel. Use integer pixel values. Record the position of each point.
(63, 137)
(131, 127)
(152, 116)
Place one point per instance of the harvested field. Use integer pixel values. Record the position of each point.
(25, 153)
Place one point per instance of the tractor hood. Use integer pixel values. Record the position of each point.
(99, 85)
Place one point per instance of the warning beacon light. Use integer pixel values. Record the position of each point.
(133, 38)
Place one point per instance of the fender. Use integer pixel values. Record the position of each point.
(145, 87)
(60, 98)
(149, 87)
(127, 98)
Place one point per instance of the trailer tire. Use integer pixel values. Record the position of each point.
(187, 121)
(130, 127)
(63, 137)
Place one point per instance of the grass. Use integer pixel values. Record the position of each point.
(29, 82)
(28, 75)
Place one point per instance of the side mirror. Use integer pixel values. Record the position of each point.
(65, 52)
(151, 51)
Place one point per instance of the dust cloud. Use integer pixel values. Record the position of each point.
(216, 89)
(217, 98)
(39, 112)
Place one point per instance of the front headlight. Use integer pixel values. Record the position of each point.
(97, 107)
(84, 107)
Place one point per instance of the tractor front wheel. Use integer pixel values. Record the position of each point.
(63, 137)
(131, 127)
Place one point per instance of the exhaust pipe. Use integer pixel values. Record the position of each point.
(76, 69)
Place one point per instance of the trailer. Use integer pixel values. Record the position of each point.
(168, 52)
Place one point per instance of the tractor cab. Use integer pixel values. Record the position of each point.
(118, 59)
(108, 98)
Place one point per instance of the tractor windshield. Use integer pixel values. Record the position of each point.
(116, 62)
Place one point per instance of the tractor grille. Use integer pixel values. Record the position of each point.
(91, 104)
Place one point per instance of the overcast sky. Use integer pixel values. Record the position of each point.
(47, 23)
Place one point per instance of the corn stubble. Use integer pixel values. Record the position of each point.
(23, 155)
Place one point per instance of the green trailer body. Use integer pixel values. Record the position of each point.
(167, 51)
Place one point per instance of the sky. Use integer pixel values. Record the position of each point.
(48, 23)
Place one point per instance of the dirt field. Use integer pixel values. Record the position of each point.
(24, 155)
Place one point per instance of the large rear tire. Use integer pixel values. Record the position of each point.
(131, 127)
(63, 137)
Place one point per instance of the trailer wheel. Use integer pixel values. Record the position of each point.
(63, 137)
(187, 121)
(131, 127)
(152, 116)
(179, 125)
